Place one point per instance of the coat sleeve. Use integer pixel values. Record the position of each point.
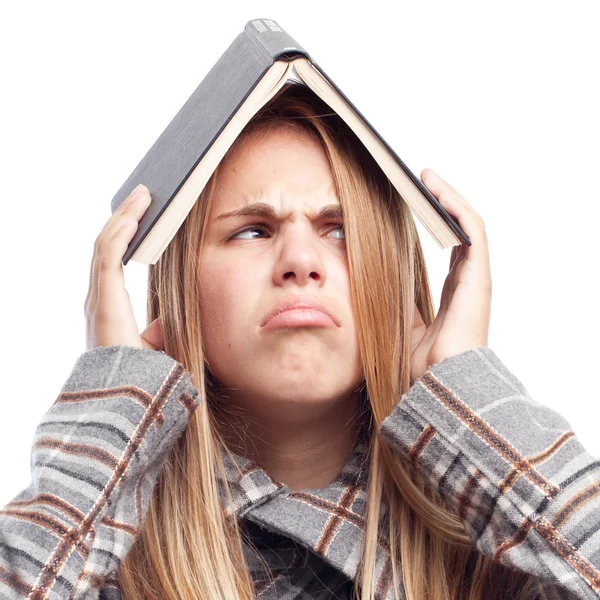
(524, 486)
(96, 457)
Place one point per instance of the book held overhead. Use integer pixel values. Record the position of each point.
(258, 63)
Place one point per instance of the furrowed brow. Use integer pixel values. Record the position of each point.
(266, 211)
(257, 209)
(331, 211)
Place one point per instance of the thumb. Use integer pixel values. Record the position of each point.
(152, 338)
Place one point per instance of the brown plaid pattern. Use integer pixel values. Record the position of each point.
(527, 491)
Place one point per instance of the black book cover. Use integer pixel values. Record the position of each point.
(199, 122)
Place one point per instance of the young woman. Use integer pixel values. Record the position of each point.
(295, 422)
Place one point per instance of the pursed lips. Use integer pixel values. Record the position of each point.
(301, 311)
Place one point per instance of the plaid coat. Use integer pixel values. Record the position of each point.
(526, 489)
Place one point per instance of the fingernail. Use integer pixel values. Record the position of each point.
(137, 192)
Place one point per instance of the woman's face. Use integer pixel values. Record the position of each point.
(254, 262)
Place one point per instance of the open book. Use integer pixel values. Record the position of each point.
(258, 63)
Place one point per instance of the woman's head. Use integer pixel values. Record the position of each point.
(213, 288)
(274, 235)
(315, 220)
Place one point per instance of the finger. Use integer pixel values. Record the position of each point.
(133, 207)
(438, 186)
(110, 279)
(458, 207)
(434, 182)
(115, 221)
(471, 223)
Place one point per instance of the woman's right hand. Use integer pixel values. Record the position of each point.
(109, 315)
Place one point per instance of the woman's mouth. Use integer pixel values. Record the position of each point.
(299, 317)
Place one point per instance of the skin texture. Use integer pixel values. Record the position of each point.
(297, 385)
(293, 390)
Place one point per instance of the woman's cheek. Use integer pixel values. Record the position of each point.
(225, 292)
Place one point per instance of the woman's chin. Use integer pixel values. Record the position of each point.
(304, 387)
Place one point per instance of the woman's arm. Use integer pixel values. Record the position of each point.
(526, 489)
(95, 460)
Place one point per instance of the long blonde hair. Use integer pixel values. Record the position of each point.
(187, 548)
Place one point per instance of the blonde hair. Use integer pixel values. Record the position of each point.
(187, 547)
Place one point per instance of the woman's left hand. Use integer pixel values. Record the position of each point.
(463, 319)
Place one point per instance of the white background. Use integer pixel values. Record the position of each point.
(500, 99)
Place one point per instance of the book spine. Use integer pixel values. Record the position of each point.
(205, 113)
(272, 39)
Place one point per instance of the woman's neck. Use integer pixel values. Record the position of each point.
(306, 452)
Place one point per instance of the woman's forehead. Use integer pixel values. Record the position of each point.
(283, 169)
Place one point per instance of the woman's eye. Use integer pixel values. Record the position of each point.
(339, 229)
(246, 234)
(249, 233)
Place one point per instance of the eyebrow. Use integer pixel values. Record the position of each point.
(266, 211)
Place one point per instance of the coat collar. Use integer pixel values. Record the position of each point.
(329, 521)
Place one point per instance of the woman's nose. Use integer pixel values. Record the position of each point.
(299, 259)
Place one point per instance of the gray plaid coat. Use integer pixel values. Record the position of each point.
(526, 489)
